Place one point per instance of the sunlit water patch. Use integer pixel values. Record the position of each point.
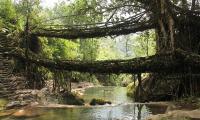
(116, 95)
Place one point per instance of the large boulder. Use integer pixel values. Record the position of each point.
(71, 99)
(131, 89)
(95, 101)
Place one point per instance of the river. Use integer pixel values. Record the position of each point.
(122, 108)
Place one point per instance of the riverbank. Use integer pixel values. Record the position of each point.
(26, 108)
(172, 110)
(185, 109)
(79, 88)
(45, 96)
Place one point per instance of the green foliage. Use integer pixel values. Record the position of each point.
(89, 49)
(144, 44)
(68, 50)
(78, 12)
(107, 49)
(113, 79)
(28, 9)
(59, 49)
(126, 47)
(79, 77)
(8, 18)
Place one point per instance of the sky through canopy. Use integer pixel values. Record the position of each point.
(51, 3)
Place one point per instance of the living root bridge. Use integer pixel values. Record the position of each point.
(173, 62)
(71, 32)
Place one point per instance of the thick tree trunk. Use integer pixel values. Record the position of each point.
(172, 33)
(165, 28)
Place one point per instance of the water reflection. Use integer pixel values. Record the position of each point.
(122, 112)
(119, 112)
(115, 94)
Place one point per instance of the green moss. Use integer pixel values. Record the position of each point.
(3, 103)
(130, 89)
(95, 101)
(71, 99)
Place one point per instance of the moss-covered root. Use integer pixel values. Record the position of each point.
(95, 101)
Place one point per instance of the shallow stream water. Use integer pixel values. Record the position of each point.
(122, 108)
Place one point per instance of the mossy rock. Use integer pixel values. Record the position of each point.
(3, 103)
(130, 89)
(95, 101)
(71, 99)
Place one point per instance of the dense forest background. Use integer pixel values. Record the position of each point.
(15, 15)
